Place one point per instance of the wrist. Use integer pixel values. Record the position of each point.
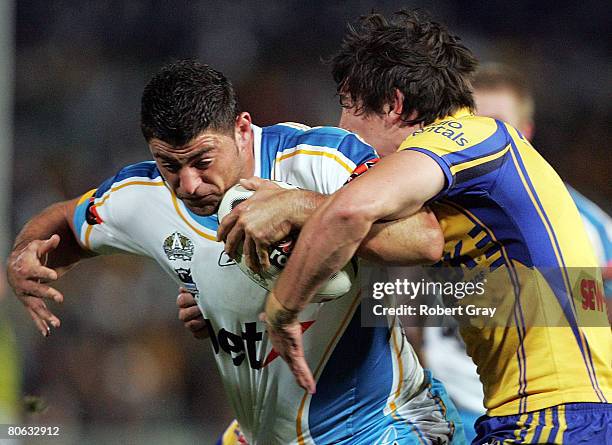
(277, 314)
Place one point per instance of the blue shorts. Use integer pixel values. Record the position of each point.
(570, 424)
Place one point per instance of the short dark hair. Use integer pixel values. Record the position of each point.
(411, 53)
(498, 76)
(185, 98)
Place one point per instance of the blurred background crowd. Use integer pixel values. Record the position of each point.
(122, 365)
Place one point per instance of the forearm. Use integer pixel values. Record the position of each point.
(415, 240)
(304, 272)
(303, 205)
(55, 219)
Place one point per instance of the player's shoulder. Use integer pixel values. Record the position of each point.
(294, 134)
(141, 173)
(458, 132)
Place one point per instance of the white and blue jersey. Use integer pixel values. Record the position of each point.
(370, 386)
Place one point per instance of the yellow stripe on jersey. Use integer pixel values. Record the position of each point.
(333, 156)
(186, 221)
(127, 184)
(86, 196)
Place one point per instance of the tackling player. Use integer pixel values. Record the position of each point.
(500, 205)
(372, 389)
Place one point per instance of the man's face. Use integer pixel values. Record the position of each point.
(202, 170)
(503, 104)
(370, 127)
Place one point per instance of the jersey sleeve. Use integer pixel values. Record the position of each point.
(469, 153)
(103, 215)
(324, 159)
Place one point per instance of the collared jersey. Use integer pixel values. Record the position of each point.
(364, 376)
(505, 209)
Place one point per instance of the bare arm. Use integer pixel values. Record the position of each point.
(45, 249)
(416, 239)
(398, 187)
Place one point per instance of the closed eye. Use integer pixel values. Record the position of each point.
(203, 164)
(172, 168)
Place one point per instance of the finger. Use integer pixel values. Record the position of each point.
(41, 290)
(41, 325)
(185, 300)
(226, 225)
(233, 240)
(196, 325)
(303, 375)
(43, 273)
(45, 314)
(189, 313)
(47, 245)
(262, 255)
(249, 251)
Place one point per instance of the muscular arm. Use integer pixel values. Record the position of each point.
(416, 239)
(55, 219)
(397, 188)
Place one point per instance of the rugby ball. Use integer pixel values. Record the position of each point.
(337, 285)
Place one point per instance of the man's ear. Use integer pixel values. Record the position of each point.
(396, 107)
(242, 129)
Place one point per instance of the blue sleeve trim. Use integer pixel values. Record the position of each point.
(146, 169)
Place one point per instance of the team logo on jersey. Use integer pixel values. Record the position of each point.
(179, 250)
(361, 169)
(178, 246)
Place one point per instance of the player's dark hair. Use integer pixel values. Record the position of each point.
(497, 76)
(411, 53)
(185, 98)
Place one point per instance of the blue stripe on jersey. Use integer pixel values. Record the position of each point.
(211, 222)
(277, 138)
(353, 388)
(79, 216)
(491, 145)
(145, 169)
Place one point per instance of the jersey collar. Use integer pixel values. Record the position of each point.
(256, 150)
(461, 112)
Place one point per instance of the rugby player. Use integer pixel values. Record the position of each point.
(372, 389)
(502, 93)
(500, 206)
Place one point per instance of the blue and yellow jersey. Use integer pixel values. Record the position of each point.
(505, 209)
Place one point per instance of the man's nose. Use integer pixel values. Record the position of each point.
(189, 181)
